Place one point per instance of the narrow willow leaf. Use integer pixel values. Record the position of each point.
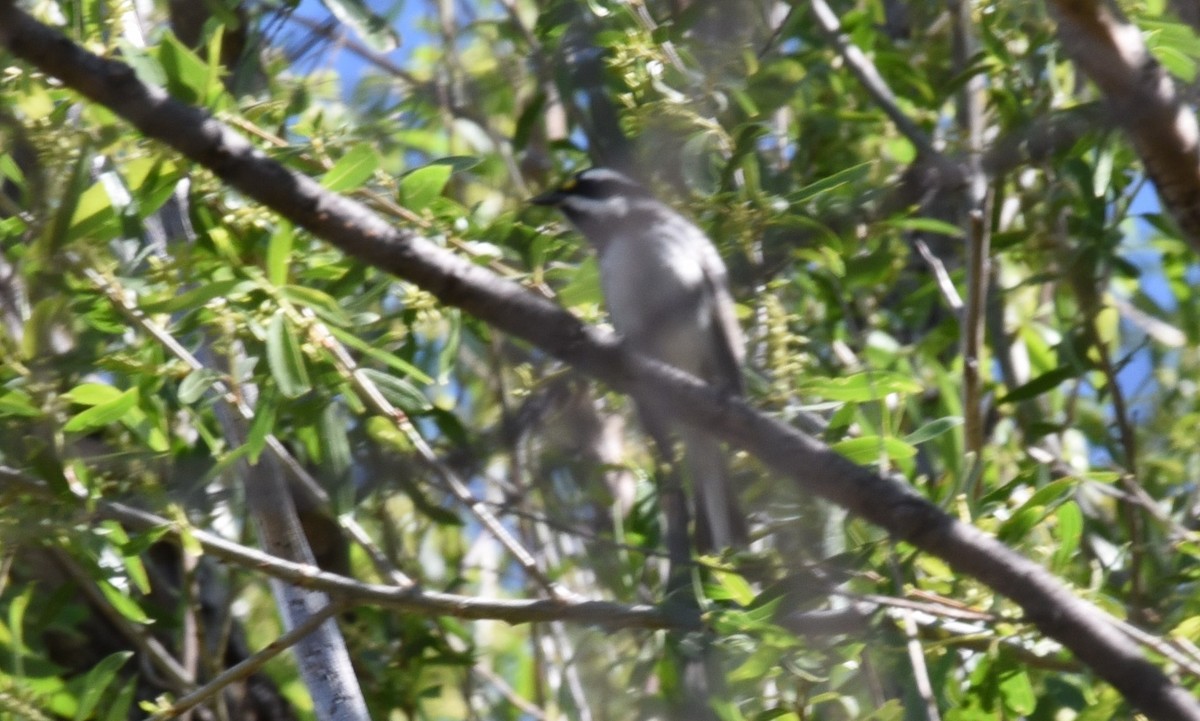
(196, 383)
(933, 429)
(279, 251)
(97, 681)
(860, 387)
(419, 188)
(398, 391)
(286, 359)
(104, 414)
(352, 169)
(870, 449)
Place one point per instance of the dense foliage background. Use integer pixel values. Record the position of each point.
(948, 261)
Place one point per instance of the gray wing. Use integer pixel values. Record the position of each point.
(728, 347)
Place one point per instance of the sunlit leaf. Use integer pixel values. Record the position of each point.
(196, 383)
(933, 429)
(286, 359)
(103, 414)
(352, 169)
(873, 449)
(419, 187)
(861, 387)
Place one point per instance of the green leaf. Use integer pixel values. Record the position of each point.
(352, 169)
(132, 561)
(1046, 382)
(925, 225)
(398, 391)
(262, 426)
(760, 618)
(196, 384)
(279, 251)
(92, 394)
(774, 84)
(97, 682)
(1017, 526)
(733, 587)
(1017, 692)
(1070, 531)
(186, 74)
(860, 387)
(122, 603)
(151, 180)
(141, 542)
(458, 163)
(198, 296)
(334, 441)
(383, 430)
(285, 358)
(118, 710)
(584, 286)
(1175, 45)
(892, 710)
(842, 177)
(758, 665)
(933, 429)
(94, 216)
(60, 231)
(420, 187)
(873, 449)
(104, 414)
(391, 360)
(17, 608)
(1051, 493)
(777, 713)
(17, 402)
(9, 170)
(321, 303)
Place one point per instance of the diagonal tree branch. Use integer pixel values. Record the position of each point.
(1145, 101)
(889, 503)
(410, 598)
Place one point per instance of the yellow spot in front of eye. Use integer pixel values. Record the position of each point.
(570, 184)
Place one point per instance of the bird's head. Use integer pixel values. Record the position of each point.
(596, 198)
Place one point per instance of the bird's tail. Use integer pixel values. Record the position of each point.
(720, 522)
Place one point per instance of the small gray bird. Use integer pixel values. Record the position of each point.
(668, 296)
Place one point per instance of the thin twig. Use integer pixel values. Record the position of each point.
(944, 282)
(509, 693)
(871, 80)
(412, 598)
(978, 228)
(321, 336)
(253, 663)
(1158, 645)
(916, 654)
(333, 34)
(972, 331)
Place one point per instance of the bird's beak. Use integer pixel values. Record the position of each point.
(550, 197)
